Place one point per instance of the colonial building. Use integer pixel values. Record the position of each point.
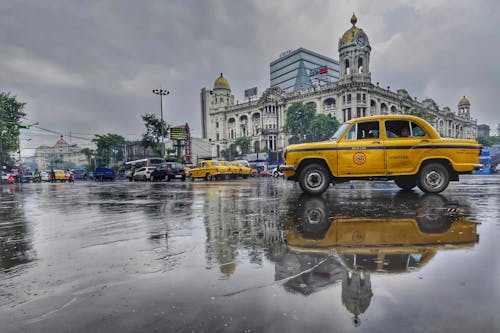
(353, 95)
(62, 153)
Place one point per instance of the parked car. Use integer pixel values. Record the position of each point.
(210, 169)
(44, 176)
(79, 173)
(60, 176)
(244, 168)
(103, 173)
(169, 171)
(4, 177)
(374, 148)
(143, 173)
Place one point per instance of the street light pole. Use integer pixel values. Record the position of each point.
(162, 92)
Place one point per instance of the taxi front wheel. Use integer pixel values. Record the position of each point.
(314, 179)
(433, 178)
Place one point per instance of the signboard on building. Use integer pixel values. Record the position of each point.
(251, 92)
(318, 71)
(178, 133)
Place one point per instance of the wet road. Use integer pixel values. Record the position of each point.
(249, 256)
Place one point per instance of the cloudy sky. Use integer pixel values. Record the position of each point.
(89, 67)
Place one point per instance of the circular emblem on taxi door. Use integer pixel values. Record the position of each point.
(359, 158)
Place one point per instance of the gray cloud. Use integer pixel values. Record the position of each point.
(89, 67)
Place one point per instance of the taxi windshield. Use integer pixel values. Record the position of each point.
(339, 132)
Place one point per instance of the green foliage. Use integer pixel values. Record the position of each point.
(11, 112)
(89, 154)
(153, 135)
(244, 144)
(304, 126)
(108, 146)
(230, 153)
(422, 113)
(488, 141)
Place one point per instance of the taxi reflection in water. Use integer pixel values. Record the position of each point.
(326, 246)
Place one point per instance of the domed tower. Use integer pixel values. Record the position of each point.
(222, 92)
(464, 108)
(354, 53)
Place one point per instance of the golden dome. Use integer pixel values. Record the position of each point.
(349, 35)
(221, 83)
(463, 101)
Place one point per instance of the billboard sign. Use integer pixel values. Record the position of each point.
(178, 133)
(251, 92)
(319, 70)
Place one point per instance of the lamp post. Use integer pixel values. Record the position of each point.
(161, 92)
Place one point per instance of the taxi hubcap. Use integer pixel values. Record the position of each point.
(314, 179)
(434, 179)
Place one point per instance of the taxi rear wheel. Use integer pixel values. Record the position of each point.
(433, 178)
(314, 179)
(208, 176)
(406, 183)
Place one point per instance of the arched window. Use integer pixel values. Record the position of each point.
(329, 102)
(383, 107)
(231, 121)
(394, 110)
(360, 65)
(312, 105)
(243, 119)
(347, 67)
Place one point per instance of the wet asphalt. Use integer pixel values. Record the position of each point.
(249, 255)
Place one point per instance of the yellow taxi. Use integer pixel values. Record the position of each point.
(209, 170)
(244, 169)
(403, 148)
(59, 175)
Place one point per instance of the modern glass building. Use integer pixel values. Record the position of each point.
(301, 69)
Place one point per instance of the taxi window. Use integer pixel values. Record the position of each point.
(363, 130)
(416, 131)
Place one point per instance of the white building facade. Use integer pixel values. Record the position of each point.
(353, 95)
(61, 152)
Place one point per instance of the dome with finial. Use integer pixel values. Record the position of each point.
(349, 36)
(463, 101)
(61, 141)
(221, 83)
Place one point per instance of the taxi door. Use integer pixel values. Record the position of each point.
(361, 151)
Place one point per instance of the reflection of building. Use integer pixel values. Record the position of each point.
(59, 154)
(238, 230)
(298, 69)
(354, 95)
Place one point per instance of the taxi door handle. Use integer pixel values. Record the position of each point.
(376, 142)
(424, 140)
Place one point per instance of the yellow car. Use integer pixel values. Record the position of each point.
(210, 169)
(244, 168)
(60, 175)
(403, 148)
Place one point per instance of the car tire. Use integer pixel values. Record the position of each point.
(168, 178)
(314, 179)
(183, 178)
(406, 183)
(208, 177)
(433, 178)
(276, 174)
(433, 216)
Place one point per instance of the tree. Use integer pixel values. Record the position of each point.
(244, 144)
(322, 128)
(230, 153)
(11, 113)
(422, 113)
(154, 129)
(89, 154)
(108, 146)
(304, 126)
(298, 119)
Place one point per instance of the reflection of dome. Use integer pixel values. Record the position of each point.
(221, 83)
(349, 35)
(228, 269)
(356, 291)
(463, 101)
(61, 141)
